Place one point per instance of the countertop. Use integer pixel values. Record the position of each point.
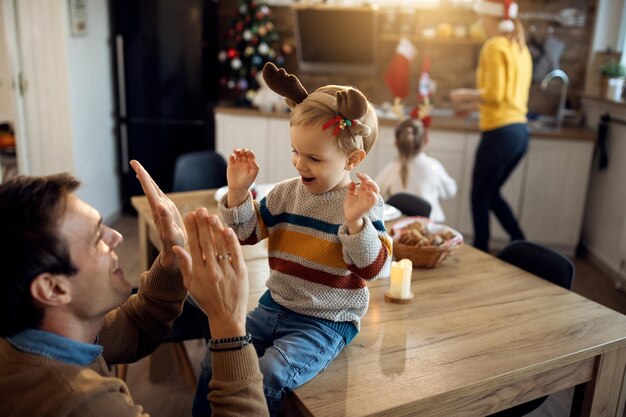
(443, 121)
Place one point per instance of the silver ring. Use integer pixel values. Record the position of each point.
(221, 257)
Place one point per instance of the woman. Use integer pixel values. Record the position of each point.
(503, 79)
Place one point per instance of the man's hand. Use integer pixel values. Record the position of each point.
(359, 201)
(241, 173)
(215, 273)
(169, 224)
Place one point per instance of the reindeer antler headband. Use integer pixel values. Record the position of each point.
(352, 104)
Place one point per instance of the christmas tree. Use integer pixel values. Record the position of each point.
(252, 41)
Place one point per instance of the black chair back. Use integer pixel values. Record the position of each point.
(410, 204)
(199, 170)
(541, 261)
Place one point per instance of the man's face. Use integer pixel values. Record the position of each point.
(99, 286)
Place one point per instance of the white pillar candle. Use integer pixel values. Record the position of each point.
(400, 279)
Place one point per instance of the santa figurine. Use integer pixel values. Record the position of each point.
(426, 88)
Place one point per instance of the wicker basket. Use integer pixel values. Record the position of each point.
(425, 256)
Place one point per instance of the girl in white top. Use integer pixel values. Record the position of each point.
(415, 172)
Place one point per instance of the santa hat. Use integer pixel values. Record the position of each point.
(506, 9)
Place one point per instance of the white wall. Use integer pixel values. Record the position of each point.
(604, 226)
(6, 105)
(608, 24)
(91, 107)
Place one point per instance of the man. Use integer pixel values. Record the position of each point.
(65, 310)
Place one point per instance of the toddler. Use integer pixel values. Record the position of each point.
(418, 173)
(325, 233)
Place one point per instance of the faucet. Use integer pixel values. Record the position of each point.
(557, 73)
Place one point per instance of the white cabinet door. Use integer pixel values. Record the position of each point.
(237, 131)
(453, 163)
(278, 166)
(449, 148)
(555, 190)
(511, 192)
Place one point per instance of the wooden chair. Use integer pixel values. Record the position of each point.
(549, 265)
(410, 204)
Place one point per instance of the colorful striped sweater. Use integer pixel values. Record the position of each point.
(316, 267)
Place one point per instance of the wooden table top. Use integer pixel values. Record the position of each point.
(479, 336)
(476, 325)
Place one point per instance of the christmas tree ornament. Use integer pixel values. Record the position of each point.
(221, 56)
(505, 9)
(243, 9)
(242, 84)
(235, 63)
(230, 84)
(397, 73)
(263, 48)
(262, 31)
(247, 35)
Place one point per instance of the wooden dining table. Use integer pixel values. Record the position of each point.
(479, 336)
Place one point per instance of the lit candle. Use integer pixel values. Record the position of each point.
(400, 279)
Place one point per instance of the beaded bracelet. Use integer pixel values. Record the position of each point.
(229, 343)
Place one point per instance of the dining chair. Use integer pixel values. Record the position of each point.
(549, 265)
(410, 204)
(198, 171)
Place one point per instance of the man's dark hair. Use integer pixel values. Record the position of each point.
(30, 244)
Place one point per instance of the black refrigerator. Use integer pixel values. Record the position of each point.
(166, 84)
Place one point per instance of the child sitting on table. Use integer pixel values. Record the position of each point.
(326, 237)
(418, 173)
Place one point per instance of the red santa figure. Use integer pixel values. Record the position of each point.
(425, 90)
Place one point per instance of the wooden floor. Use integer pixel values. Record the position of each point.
(171, 398)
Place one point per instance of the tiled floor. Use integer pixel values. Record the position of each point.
(171, 398)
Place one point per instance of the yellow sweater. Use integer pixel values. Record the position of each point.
(504, 76)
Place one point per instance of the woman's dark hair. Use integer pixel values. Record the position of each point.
(30, 244)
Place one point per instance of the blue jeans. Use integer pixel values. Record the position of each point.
(292, 349)
(498, 153)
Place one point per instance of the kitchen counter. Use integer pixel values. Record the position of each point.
(443, 121)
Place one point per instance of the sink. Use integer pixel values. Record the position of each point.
(543, 123)
(548, 123)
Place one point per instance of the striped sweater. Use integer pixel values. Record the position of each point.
(316, 267)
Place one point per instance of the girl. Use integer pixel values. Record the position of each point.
(415, 172)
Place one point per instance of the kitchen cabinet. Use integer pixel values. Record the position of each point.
(241, 131)
(554, 191)
(546, 191)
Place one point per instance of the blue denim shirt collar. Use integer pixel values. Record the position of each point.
(50, 345)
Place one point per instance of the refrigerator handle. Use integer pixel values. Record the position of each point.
(121, 80)
(124, 148)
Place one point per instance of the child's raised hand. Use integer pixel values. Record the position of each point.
(359, 201)
(240, 174)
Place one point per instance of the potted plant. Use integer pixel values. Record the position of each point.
(612, 70)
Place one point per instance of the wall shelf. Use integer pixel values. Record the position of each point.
(438, 41)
